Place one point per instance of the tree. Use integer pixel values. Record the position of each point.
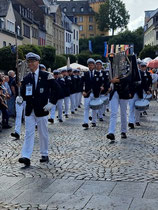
(149, 51)
(112, 15)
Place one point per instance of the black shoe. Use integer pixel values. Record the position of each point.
(123, 135)
(85, 125)
(24, 160)
(75, 109)
(63, 112)
(145, 113)
(60, 120)
(93, 124)
(66, 116)
(141, 115)
(111, 136)
(101, 120)
(6, 126)
(72, 112)
(137, 124)
(79, 106)
(131, 125)
(104, 115)
(107, 110)
(51, 120)
(44, 159)
(90, 118)
(16, 135)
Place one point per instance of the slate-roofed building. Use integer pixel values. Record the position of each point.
(83, 13)
(8, 24)
(151, 27)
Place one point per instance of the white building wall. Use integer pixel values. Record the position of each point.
(68, 42)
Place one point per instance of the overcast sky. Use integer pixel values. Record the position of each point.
(136, 10)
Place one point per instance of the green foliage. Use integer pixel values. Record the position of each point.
(73, 58)
(112, 15)
(83, 57)
(47, 56)
(60, 61)
(7, 59)
(30, 48)
(148, 51)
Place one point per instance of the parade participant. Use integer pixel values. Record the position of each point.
(77, 89)
(140, 85)
(154, 76)
(62, 84)
(37, 87)
(67, 91)
(72, 90)
(119, 96)
(104, 81)
(91, 88)
(52, 113)
(43, 67)
(80, 89)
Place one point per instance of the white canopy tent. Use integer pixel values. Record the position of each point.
(76, 66)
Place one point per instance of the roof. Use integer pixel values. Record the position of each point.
(69, 5)
(4, 5)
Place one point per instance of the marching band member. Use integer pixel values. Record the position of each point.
(141, 84)
(37, 87)
(119, 96)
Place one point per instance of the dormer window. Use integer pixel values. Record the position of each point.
(73, 9)
(65, 9)
(82, 9)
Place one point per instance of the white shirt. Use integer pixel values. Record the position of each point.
(36, 76)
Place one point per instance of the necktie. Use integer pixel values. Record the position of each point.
(33, 79)
(91, 75)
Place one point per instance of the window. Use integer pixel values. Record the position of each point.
(91, 34)
(66, 37)
(80, 19)
(81, 28)
(26, 31)
(65, 10)
(34, 33)
(70, 38)
(74, 34)
(90, 28)
(74, 49)
(90, 9)
(82, 9)
(73, 9)
(10, 26)
(4, 44)
(75, 20)
(90, 19)
(156, 35)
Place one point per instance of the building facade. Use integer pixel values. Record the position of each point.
(83, 13)
(8, 25)
(151, 28)
(75, 38)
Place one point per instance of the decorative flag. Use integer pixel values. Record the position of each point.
(122, 47)
(126, 49)
(105, 49)
(90, 45)
(117, 48)
(112, 48)
(131, 49)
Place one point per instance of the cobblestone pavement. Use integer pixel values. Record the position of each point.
(85, 156)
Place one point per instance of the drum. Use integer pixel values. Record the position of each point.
(96, 103)
(142, 105)
(105, 99)
(147, 96)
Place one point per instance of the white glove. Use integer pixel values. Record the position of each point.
(48, 107)
(19, 100)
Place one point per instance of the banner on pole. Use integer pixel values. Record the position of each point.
(90, 45)
(105, 49)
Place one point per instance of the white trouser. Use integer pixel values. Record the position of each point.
(76, 100)
(66, 103)
(72, 100)
(115, 102)
(80, 98)
(87, 108)
(19, 112)
(60, 108)
(52, 113)
(134, 114)
(30, 123)
(101, 111)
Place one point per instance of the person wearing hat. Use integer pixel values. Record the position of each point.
(40, 92)
(42, 67)
(72, 89)
(77, 83)
(89, 91)
(103, 78)
(67, 91)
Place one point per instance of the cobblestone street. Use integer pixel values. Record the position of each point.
(84, 171)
